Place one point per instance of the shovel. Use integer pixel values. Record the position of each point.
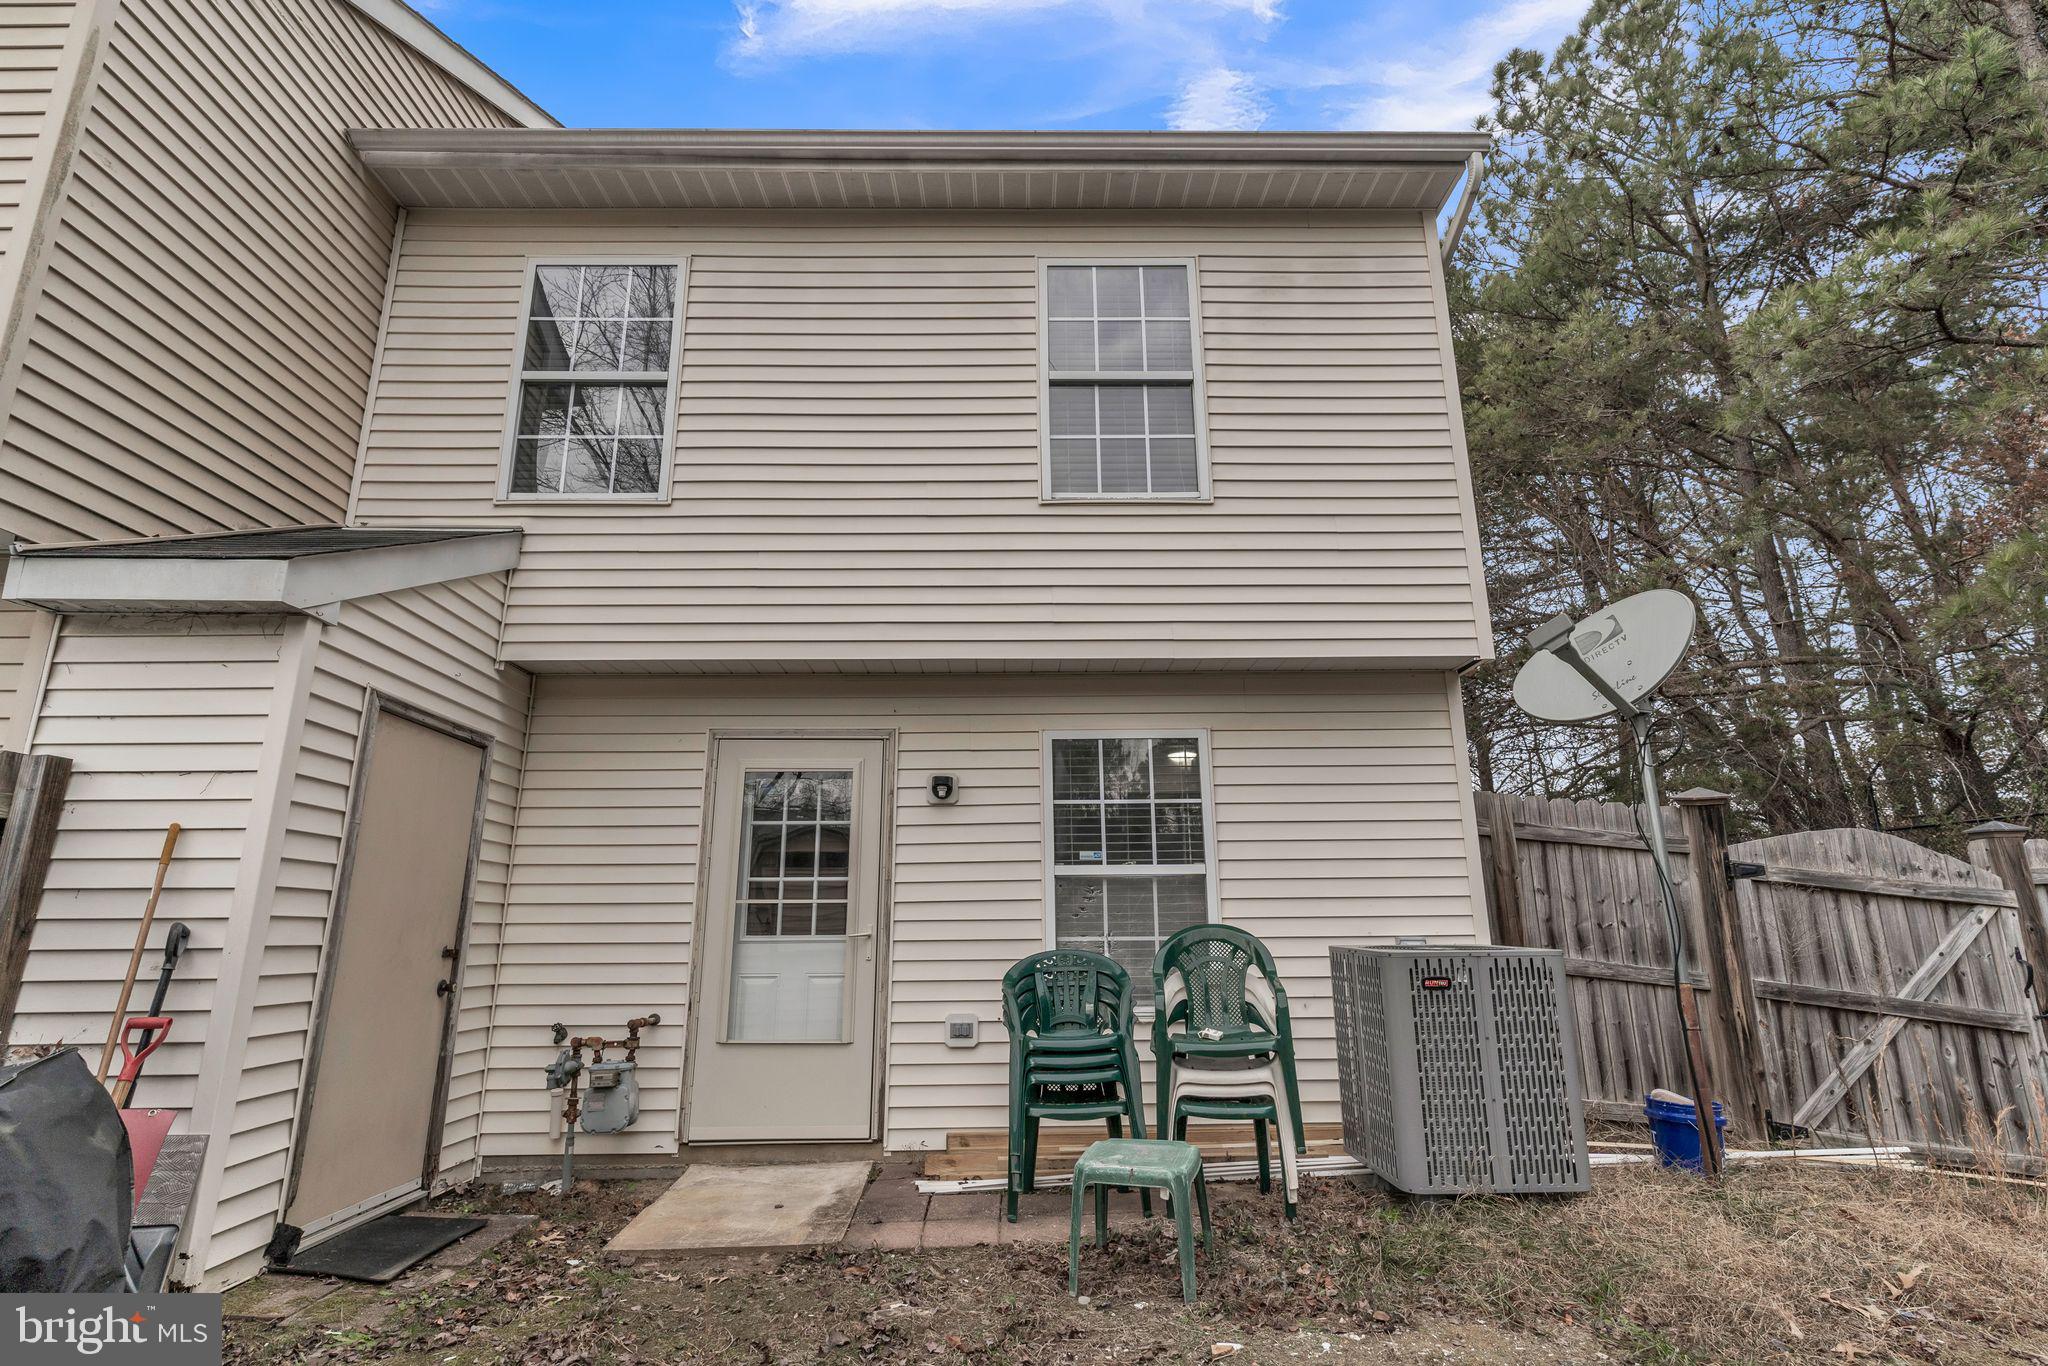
(148, 1026)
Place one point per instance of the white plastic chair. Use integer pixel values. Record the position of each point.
(1254, 1080)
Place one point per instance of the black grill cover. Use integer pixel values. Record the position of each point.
(66, 1180)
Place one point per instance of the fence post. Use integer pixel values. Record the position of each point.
(1501, 870)
(2000, 847)
(37, 784)
(1724, 952)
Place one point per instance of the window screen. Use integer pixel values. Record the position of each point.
(594, 390)
(1128, 835)
(1121, 382)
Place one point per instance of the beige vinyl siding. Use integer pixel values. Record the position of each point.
(33, 37)
(431, 647)
(212, 722)
(202, 337)
(1340, 805)
(165, 721)
(41, 44)
(856, 478)
(23, 643)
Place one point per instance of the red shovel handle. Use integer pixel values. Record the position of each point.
(158, 1027)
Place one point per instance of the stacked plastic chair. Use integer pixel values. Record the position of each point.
(1224, 1043)
(1072, 1054)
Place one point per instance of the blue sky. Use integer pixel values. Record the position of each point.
(1298, 64)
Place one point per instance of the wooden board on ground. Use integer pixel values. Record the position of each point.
(983, 1154)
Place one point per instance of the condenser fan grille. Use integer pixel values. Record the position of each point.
(1458, 1069)
(1453, 1077)
(1537, 1088)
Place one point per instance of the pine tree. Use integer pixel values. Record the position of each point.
(1753, 308)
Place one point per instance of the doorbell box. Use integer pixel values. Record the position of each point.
(942, 789)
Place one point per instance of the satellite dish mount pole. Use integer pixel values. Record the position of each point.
(1556, 637)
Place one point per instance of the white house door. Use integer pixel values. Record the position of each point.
(787, 973)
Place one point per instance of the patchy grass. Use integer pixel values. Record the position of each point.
(1782, 1263)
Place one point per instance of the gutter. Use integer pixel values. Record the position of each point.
(1475, 172)
(580, 147)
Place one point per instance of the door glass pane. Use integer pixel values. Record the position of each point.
(790, 952)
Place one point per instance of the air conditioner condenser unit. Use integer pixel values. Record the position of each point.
(1459, 1069)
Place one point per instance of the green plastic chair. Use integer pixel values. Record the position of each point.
(1223, 1010)
(1072, 1054)
(1261, 1115)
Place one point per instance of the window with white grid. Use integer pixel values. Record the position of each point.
(1121, 397)
(1128, 825)
(597, 363)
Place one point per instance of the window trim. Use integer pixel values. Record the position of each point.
(1045, 832)
(1045, 383)
(505, 497)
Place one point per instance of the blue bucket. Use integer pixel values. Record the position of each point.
(1675, 1129)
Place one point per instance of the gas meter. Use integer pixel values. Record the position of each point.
(602, 1095)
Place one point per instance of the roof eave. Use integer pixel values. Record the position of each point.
(46, 577)
(605, 169)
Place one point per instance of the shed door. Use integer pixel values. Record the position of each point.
(370, 1116)
(785, 1021)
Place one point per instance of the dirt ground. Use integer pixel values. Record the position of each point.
(1782, 1263)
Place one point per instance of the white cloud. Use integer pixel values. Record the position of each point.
(1447, 87)
(1219, 100)
(769, 29)
(1216, 64)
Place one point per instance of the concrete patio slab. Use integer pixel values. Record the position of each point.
(959, 1233)
(716, 1211)
(899, 1236)
(978, 1205)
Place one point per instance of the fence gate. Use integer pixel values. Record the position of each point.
(1892, 998)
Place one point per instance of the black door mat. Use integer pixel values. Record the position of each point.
(382, 1249)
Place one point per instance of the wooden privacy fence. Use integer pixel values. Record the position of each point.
(32, 790)
(1851, 983)
(1577, 876)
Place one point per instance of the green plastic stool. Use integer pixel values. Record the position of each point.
(1147, 1163)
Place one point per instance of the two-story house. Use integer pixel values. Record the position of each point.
(770, 580)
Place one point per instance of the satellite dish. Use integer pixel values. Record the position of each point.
(1610, 662)
(1633, 646)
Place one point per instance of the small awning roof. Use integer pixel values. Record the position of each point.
(757, 169)
(310, 569)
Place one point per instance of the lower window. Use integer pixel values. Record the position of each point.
(1128, 824)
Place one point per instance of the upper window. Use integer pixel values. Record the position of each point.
(592, 414)
(1128, 820)
(1123, 417)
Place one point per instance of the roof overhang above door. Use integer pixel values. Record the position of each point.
(606, 169)
(290, 569)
